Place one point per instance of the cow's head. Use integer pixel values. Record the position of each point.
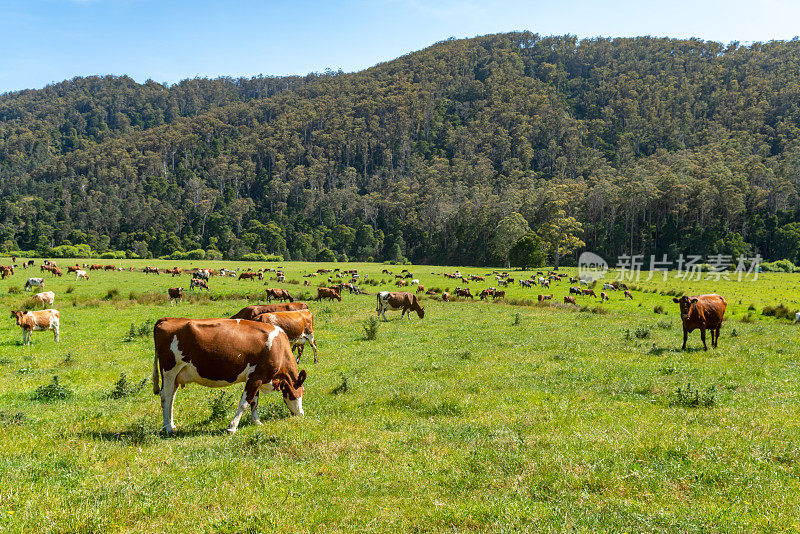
(292, 393)
(18, 316)
(685, 304)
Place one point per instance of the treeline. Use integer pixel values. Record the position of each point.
(453, 154)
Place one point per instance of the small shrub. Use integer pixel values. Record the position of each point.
(219, 405)
(69, 289)
(690, 397)
(658, 308)
(516, 319)
(12, 419)
(14, 290)
(371, 325)
(141, 330)
(747, 318)
(664, 325)
(138, 433)
(51, 392)
(343, 386)
(751, 308)
(734, 333)
(779, 312)
(69, 359)
(123, 388)
(642, 332)
(112, 294)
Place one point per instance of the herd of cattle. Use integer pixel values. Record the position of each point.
(256, 345)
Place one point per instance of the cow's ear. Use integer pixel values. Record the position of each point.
(676, 300)
(694, 301)
(301, 377)
(276, 384)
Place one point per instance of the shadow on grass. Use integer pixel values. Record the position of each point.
(660, 351)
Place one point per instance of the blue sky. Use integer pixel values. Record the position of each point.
(48, 41)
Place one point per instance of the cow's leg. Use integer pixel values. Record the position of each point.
(56, 331)
(703, 338)
(685, 337)
(249, 397)
(313, 346)
(242, 405)
(716, 338)
(168, 391)
(254, 410)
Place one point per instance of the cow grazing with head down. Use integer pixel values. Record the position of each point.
(278, 294)
(175, 293)
(588, 293)
(446, 296)
(34, 282)
(80, 273)
(327, 293)
(197, 282)
(627, 295)
(703, 312)
(46, 298)
(603, 296)
(464, 292)
(298, 325)
(34, 321)
(222, 352)
(399, 300)
(569, 300)
(250, 312)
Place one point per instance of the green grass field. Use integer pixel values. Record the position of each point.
(480, 417)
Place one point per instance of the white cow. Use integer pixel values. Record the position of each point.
(34, 282)
(81, 274)
(45, 298)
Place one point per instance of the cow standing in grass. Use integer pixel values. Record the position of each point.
(34, 282)
(35, 321)
(46, 298)
(175, 293)
(222, 352)
(278, 294)
(327, 293)
(298, 325)
(250, 312)
(399, 300)
(703, 312)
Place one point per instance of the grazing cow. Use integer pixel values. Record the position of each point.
(499, 295)
(250, 312)
(148, 270)
(73, 268)
(446, 296)
(34, 282)
(401, 283)
(202, 274)
(110, 267)
(196, 282)
(399, 300)
(98, 267)
(545, 297)
(34, 321)
(609, 287)
(46, 298)
(574, 290)
(298, 325)
(589, 293)
(796, 317)
(175, 271)
(327, 293)
(281, 278)
(222, 352)
(278, 294)
(247, 276)
(464, 292)
(628, 295)
(81, 274)
(569, 300)
(6, 271)
(603, 296)
(486, 293)
(703, 312)
(175, 293)
(306, 283)
(420, 289)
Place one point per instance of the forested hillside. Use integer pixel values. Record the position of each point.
(446, 155)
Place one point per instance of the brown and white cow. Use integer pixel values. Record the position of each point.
(98, 267)
(446, 296)
(80, 273)
(588, 293)
(703, 312)
(627, 295)
(298, 325)
(603, 296)
(399, 300)
(45, 298)
(222, 352)
(569, 300)
(278, 294)
(6, 271)
(464, 292)
(196, 282)
(35, 321)
(251, 312)
(327, 293)
(175, 293)
(247, 276)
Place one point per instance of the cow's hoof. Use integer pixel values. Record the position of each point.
(231, 430)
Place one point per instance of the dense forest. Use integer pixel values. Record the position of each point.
(452, 155)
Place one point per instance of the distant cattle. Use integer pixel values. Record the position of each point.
(202, 274)
(81, 274)
(575, 290)
(603, 296)
(73, 268)
(148, 270)
(545, 297)
(35, 321)
(589, 293)
(569, 300)
(464, 292)
(98, 267)
(609, 287)
(796, 317)
(327, 293)
(222, 352)
(175, 293)
(109, 267)
(34, 282)
(175, 271)
(196, 282)
(703, 312)
(627, 295)
(499, 295)
(399, 300)
(486, 293)
(278, 294)
(298, 325)
(446, 296)
(257, 309)
(46, 298)
(6, 271)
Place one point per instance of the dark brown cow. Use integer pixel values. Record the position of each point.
(327, 293)
(569, 300)
(221, 352)
(464, 292)
(175, 293)
(588, 293)
(250, 312)
(278, 294)
(298, 325)
(248, 276)
(499, 295)
(110, 267)
(703, 312)
(174, 271)
(96, 267)
(399, 300)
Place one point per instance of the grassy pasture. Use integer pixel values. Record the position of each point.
(480, 417)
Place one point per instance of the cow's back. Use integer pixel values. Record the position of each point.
(710, 309)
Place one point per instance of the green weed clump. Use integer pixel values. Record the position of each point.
(219, 405)
(141, 330)
(52, 391)
(690, 397)
(371, 326)
(14, 290)
(658, 309)
(343, 386)
(123, 388)
(779, 312)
